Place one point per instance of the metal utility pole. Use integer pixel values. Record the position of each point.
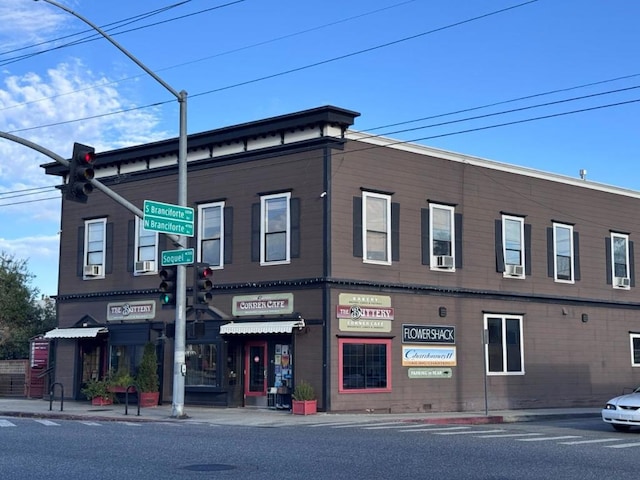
(181, 300)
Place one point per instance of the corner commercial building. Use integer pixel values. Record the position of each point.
(392, 276)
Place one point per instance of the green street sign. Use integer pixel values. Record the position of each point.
(177, 257)
(168, 218)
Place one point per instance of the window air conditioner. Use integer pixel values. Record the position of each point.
(93, 270)
(514, 270)
(623, 282)
(444, 261)
(145, 266)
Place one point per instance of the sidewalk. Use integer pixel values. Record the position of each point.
(72, 410)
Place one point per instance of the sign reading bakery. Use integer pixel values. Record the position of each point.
(253, 305)
(364, 313)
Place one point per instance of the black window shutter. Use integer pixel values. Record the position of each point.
(550, 256)
(162, 246)
(457, 218)
(295, 227)
(607, 250)
(228, 235)
(131, 244)
(576, 256)
(424, 230)
(395, 232)
(632, 268)
(108, 254)
(527, 249)
(80, 253)
(499, 252)
(255, 232)
(357, 227)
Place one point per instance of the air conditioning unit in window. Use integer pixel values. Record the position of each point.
(514, 270)
(623, 282)
(444, 261)
(145, 266)
(93, 270)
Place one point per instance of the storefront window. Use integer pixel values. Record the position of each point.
(201, 365)
(125, 360)
(364, 365)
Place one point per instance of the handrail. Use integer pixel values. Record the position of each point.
(126, 398)
(51, 392)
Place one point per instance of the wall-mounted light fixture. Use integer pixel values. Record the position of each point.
(585, 318)
(442, 312)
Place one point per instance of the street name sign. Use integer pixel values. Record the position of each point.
(168, 218)
(177, 257)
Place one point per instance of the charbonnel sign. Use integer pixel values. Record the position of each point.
(421, 356)
(428, 334)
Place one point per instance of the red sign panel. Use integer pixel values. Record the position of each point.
(39, 353)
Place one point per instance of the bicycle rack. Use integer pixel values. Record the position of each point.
(51, 392)
(126, 399)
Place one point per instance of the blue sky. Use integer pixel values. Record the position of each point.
(406, 66)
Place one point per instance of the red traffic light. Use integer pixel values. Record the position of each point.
(88, 158)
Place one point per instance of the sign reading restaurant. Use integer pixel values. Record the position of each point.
(142, 310)
(252, 305)
(428, 334)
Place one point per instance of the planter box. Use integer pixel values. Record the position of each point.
(148, 399)
(100, 401)
(305, 407)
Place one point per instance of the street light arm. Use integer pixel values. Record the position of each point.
(178, 95)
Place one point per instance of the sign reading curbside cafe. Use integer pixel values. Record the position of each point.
(428, 334)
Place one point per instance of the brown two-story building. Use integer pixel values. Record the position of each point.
(392, 276)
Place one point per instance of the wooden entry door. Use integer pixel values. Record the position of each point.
(255, 379)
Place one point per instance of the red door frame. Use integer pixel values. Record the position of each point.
(249, 363)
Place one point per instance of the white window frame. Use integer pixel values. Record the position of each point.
(627, 265)
(365, 223)
(202, 238)
(504, 318)
(139, 229)
(452, 237)
(556, 227)
(87, 229)
(264, 229)
(520, 220)
(632, 337)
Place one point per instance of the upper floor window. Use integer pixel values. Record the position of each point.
(275, 229)
(211, 234)
(442, 234)
(513, 245)
(94, 248)
(376, 227)
(146, 251)
(563, 252)
(503, 344)
(620, 260)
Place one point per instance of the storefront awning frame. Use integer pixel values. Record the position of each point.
(71, 333)
(276, 326)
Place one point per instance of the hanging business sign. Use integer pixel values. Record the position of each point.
(428, 334)
(137, 310)
(272, 304)
(428, 356)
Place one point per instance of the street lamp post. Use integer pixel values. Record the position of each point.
(181, 301)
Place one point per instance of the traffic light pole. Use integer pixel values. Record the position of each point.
(179, 365)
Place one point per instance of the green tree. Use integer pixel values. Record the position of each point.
(23, 314)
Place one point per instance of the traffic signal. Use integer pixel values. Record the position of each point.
(80, 173)
(167, 286)
(202, 284)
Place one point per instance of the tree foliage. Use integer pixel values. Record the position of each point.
(22, 313)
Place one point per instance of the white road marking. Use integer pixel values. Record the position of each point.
(623, 445)
(6, 423)
(500, 435)
(435, 429)
(468, 432)
(47, 423)
(547, 439)
(598, 440)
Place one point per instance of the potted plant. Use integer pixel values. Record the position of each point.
(304, 399)
(98, 391)
(121, 380)
(147, 378)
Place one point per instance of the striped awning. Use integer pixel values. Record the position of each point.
(282, 326)
(87, 332)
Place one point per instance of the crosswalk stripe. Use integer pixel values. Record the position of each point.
(6, 423)
(48, 423)
(131, 424)
(395, 426)
(468, 432)
(505, 435)
(92, 424)
(435, 429)
(546, 439)
(598, 440)
(623, 445)
(375, 426)
(327, 424)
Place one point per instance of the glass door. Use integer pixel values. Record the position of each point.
(256, 367)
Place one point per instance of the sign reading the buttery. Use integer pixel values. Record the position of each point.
(422, 356)
(142, 310)
(364, 313)
(252, 305)
(428, 334)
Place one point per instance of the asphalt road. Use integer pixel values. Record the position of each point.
(69, 449)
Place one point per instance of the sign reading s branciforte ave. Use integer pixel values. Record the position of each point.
(168, 218)
(273, 304)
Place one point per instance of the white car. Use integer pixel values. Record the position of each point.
(623, 412)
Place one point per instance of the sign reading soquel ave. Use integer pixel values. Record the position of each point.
(167, 218)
